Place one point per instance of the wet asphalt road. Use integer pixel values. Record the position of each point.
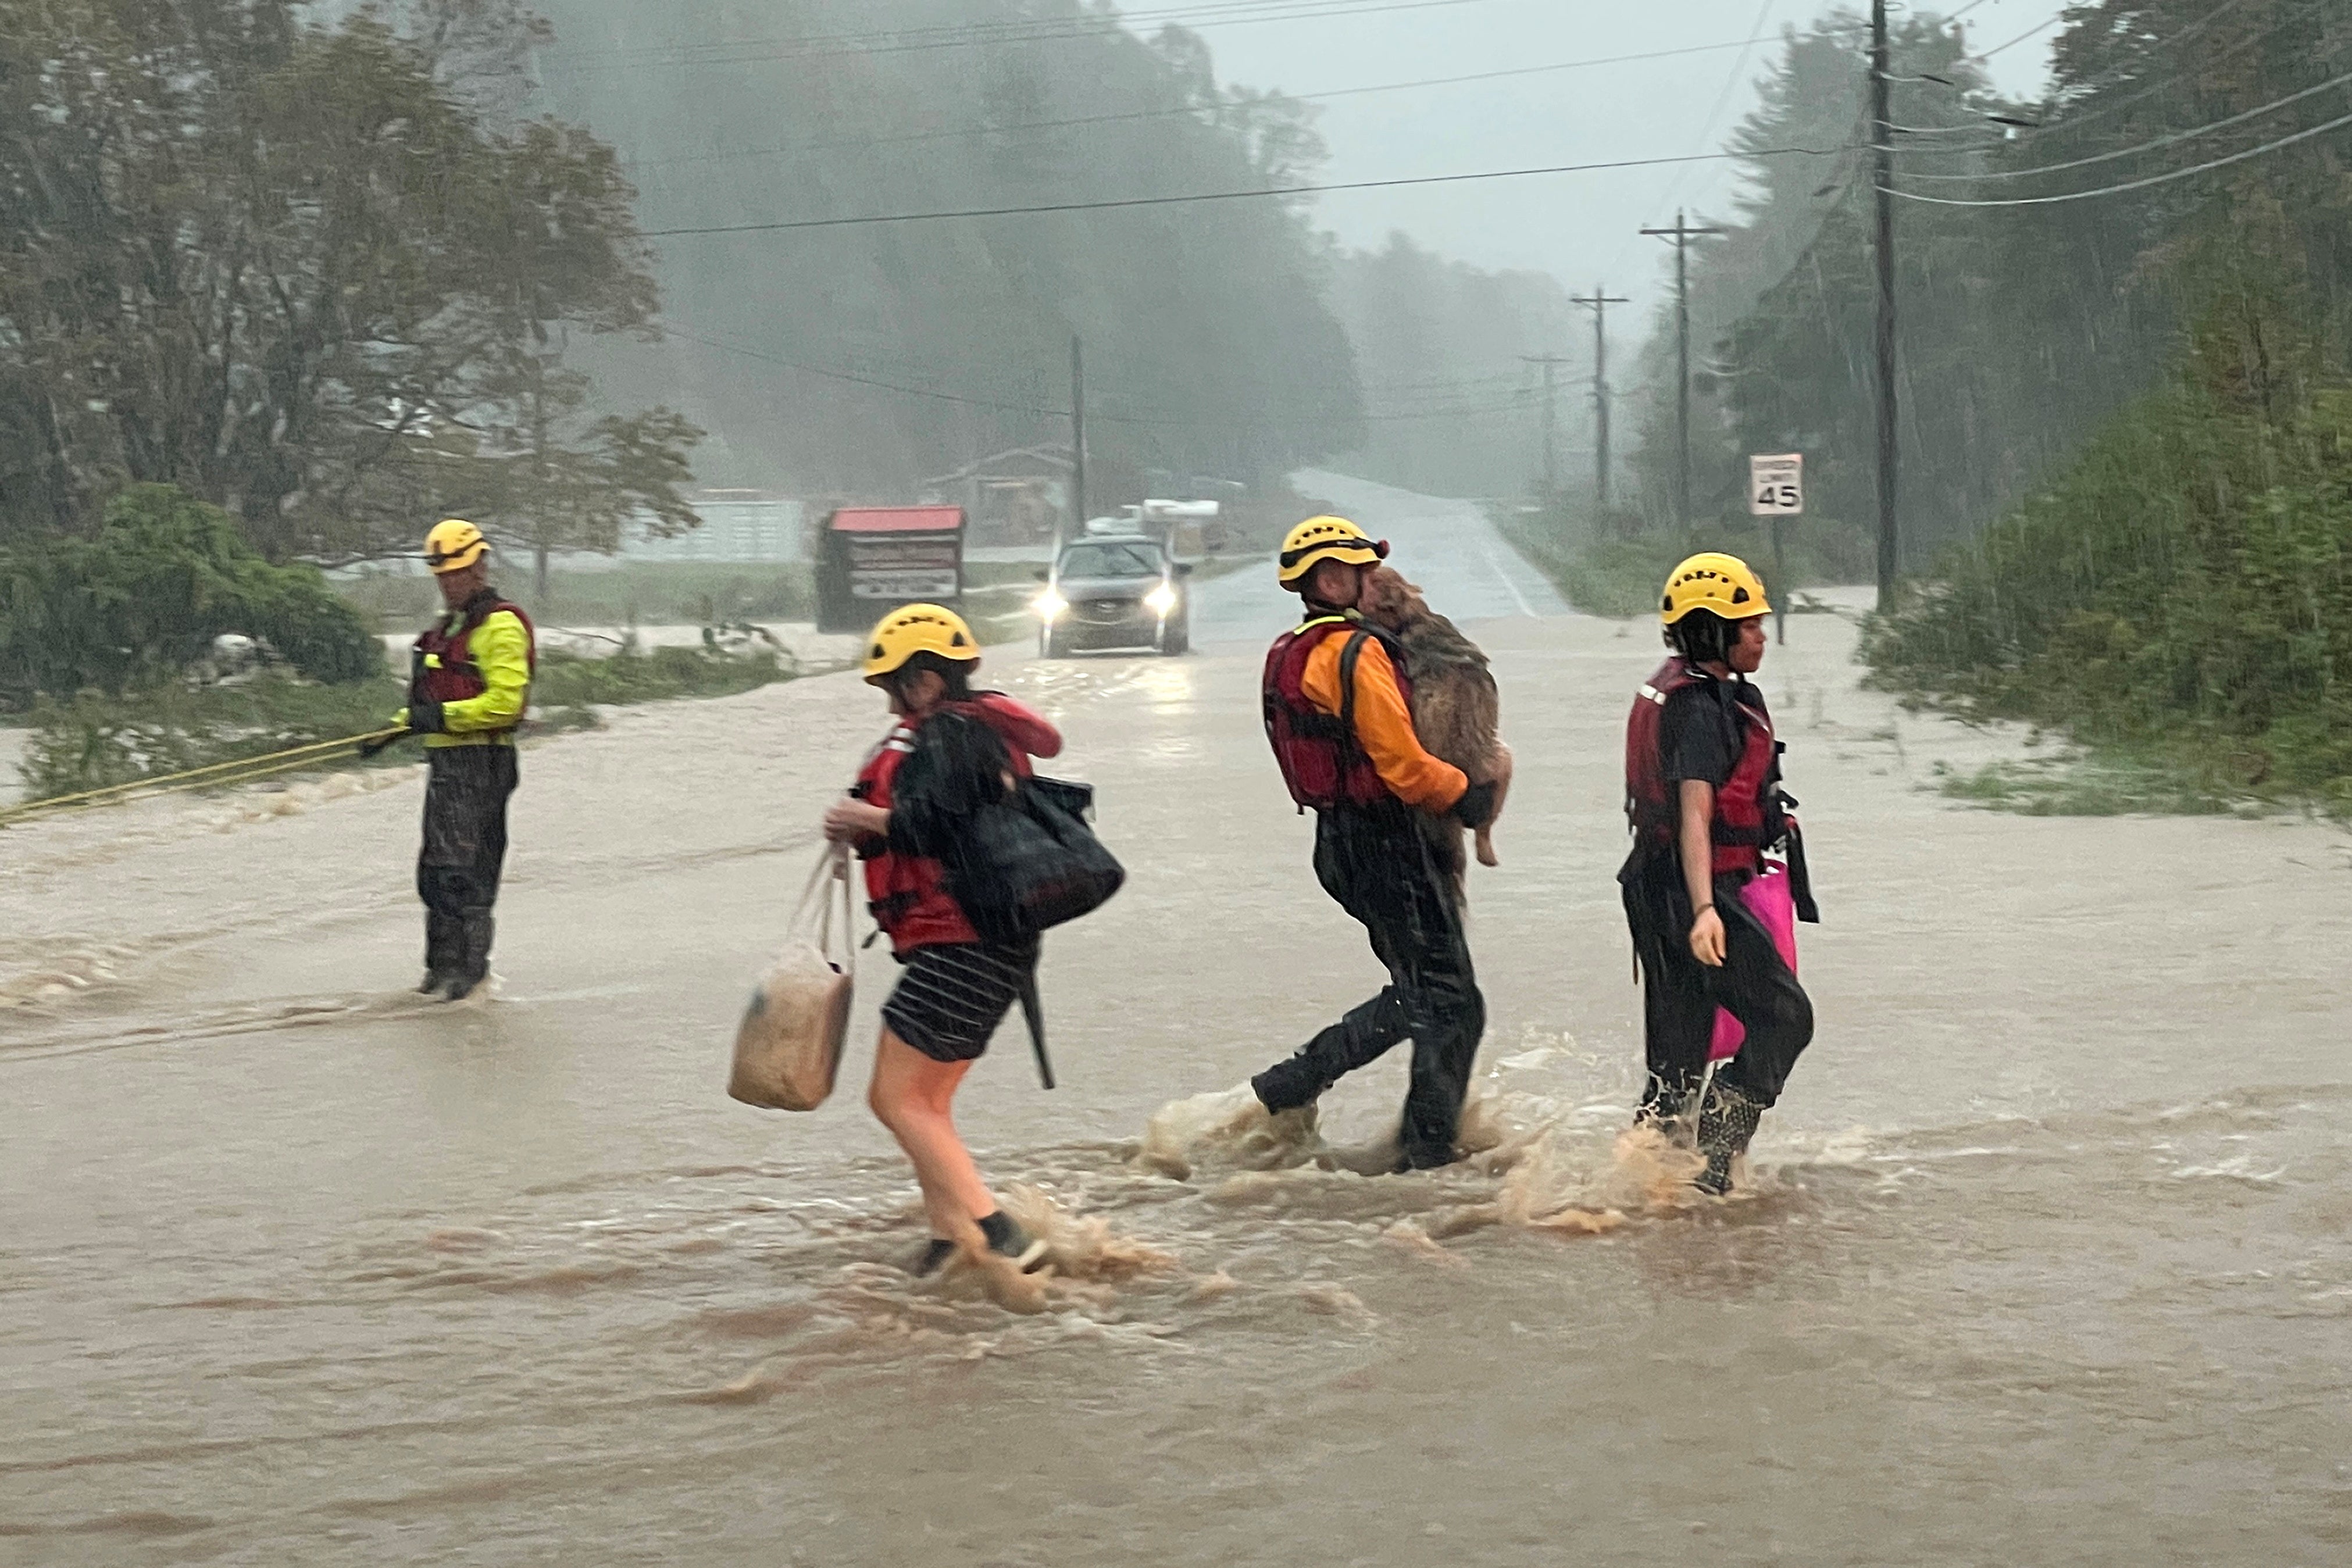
(1447, 546)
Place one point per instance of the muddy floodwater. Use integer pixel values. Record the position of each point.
(2048, 1257)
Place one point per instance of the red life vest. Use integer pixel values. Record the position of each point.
(1322, 759)
(1748, 812)
(909, 893)
(440, 669)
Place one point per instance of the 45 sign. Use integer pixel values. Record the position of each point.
(1776, 486)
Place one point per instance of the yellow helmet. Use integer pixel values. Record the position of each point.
(454, 544)
(1325, 539)
(913, 629)
(1712, 580)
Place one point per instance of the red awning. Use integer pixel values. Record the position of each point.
(898, 520)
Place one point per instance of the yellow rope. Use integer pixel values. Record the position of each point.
(233, 771)
(233, 763)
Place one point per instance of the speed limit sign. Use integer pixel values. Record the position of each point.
(1776, 486)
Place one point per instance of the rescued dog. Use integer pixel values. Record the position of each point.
(1455, 708)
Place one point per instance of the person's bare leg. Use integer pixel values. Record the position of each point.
(913, 1096)
(934, 1204)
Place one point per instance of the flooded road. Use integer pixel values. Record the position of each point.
(2049, 1259)
(1447, 546)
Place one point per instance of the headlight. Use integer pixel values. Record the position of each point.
(1049, 605)
(1161, 600)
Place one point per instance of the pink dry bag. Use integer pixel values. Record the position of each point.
(1768, 898)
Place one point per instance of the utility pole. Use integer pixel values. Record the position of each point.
(1682, 233)
(1882, 155)
(1551, 363)
(1598, 302)
(1077, 440)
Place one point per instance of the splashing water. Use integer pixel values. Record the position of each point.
(1229, 1130)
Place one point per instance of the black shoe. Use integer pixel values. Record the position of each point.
(1025, 1250)
(1725, 1123)
(434, 981)
(1289, 1084)
(932, 1258)
(1669, 1114)
(1007, 1240)
(473, 966)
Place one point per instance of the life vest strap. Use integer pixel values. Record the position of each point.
(1350, 656)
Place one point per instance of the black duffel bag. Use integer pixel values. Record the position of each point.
(1028, 862)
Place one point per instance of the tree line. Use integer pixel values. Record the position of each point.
(2128, 418)
(2024, 329)
(861, 360)
(295, 268)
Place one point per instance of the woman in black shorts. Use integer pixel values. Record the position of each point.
(952, 750)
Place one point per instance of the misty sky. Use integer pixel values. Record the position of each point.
(1579, 227)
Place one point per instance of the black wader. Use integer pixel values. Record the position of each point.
(1679, 994)
(1378, 866)
(464, 848)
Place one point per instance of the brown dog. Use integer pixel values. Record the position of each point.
(1456, 710)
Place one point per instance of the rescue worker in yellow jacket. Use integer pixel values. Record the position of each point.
(469, 681)
(1338, 712)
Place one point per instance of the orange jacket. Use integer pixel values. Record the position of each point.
(1384, 724)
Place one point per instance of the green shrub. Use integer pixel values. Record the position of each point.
(89, 741)
(567, 680)
(2183, 591)
(652, 593)
(1621, 576)
(143, 601)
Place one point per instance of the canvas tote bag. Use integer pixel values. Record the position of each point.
(788, 1047)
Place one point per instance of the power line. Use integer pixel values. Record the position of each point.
(1484, 378)
(2065, 125)
(2175, 139)
(1970, 130)
(672, 330)
(2037, 27)
(1189, 110)
(2165, 179)
(1284, 190)
(1466, 413)
(1722, 98)
(1463, 410)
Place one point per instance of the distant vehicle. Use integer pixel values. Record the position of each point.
(1114, 591)
(871, 559)
(1187, 527)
